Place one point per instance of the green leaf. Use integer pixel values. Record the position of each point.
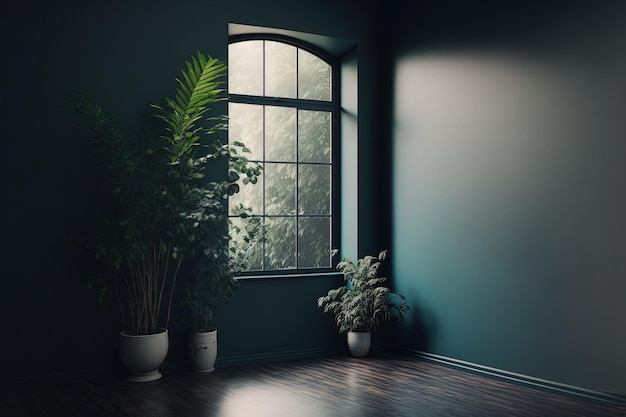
(233, 189)
(233, 176)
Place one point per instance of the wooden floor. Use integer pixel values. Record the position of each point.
(340, 386)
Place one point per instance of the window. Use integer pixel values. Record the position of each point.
(283, 106)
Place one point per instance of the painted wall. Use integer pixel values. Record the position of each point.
(508, 186)
(126, 55)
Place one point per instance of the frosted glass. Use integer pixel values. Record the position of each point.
(314, 77)
(314, 189)
(314, 242)
(280, 131)
(280, 70)
(314, 136)
(249, 196)
(245, 68)
(245, 124)
(280, 250)
(280, 188)
(293, 195)
(239, 232)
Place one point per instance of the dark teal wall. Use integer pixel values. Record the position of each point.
(277, 317)
(498, 129)
(508, 187)
(126, 55)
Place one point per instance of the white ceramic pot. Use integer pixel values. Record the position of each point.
(203, 350)
(359, 343)
(143, 354)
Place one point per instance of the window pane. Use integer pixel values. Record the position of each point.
(314, 242)
(280, 131)
(280, 189)
(245, 245)
(313, 136)
(280, 252)
(314, 79)
(248, 200)
(245, 124)
(245, 68)
(314, 189)
(280, 70)
(292, 202)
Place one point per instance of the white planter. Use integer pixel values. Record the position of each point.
(359, 343)
(203, 350)
(143, 354)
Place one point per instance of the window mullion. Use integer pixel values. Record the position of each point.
(264, 260)
(297, 187)
(263, 263)
(283, 102)
(297, 196)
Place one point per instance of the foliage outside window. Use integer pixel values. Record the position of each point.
(282, 106)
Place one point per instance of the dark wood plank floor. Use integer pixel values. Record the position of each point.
(340, 386)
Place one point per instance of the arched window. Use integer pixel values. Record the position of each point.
(283, 106)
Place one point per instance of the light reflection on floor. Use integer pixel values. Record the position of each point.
(268, 400)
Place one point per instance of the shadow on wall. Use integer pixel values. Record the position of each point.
(508, 196)
(416, 331)
(420, 333)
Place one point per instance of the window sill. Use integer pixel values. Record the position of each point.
(294, 275)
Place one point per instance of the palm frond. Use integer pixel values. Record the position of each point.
(198, 87)
(202, 79)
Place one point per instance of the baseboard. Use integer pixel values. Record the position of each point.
(171, 366)
(64, 377)
(226, 361)
(287, 355)
(118, 372)
(556, 387)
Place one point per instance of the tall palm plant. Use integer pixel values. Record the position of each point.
(164, 210)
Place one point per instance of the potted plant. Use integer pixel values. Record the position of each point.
(210, 286)
(156, 187)
(213, 283)
(363, 303)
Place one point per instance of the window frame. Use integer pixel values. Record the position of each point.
(333, 106)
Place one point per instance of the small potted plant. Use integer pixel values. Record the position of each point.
(220, 257)
(210, 287)
(363, 303)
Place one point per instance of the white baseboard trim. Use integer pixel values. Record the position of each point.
(527, 380)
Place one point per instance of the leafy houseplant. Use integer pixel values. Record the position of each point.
(213, 283)
(363, 303)
(209, 287)
(213, 280)
(164, 210)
